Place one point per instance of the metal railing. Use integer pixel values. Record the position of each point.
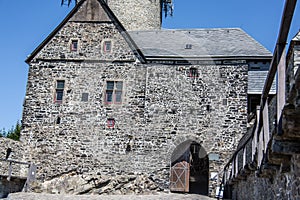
(260, 136)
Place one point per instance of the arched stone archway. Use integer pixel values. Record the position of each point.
(189, 168)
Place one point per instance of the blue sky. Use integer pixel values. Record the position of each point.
(26, 23)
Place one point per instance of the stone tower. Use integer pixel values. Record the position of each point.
(138, 14)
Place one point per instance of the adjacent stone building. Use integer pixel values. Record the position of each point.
(112, 109)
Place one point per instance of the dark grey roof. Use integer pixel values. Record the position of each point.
(217, 42)
(256, 81)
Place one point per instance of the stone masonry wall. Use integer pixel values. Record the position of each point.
(16, 154)
(282, 185)
(162, 107)
(136, 14)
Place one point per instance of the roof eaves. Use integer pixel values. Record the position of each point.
(218, 57)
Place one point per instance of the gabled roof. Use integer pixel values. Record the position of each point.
(204, 43)
(93, 11)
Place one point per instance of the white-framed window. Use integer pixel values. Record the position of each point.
(74, 45)
(114, 92)
(59, 91)
(107, 46)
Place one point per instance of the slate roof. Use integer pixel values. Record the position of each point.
(214, 43)
(256, 81)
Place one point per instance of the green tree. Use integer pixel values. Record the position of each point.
(15, 132)
(2, 133)
(68, 2)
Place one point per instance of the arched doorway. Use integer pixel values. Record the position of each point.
(189, 169)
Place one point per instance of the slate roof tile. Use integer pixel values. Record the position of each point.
(216, 42)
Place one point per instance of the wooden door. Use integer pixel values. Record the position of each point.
(179, 179)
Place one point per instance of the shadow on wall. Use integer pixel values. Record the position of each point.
(11, 186)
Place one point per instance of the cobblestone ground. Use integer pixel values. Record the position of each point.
(160, 196)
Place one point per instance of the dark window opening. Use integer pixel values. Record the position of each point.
(114, 90)
(74, 45)
(58, 120)
(208, 107)
(193, 73)
(110, 123)
(85, 97)
(128, 148)
(59, 92)
(107, 46)
(188, 46)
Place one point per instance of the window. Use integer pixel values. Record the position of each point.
(59, 91)
(188, 46)
(208, 108)
(58, 120)
(107, 46)
(111, 123)
(74, 45)
(113, 92)
(85, 97)
(193, 73)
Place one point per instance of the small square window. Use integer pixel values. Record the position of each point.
(110, 123)
(60, 84)
(107, 46)
(85, 97)
(193, 73)
(74, 45)
(188, 46)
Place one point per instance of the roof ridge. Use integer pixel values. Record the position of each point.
(190, 29)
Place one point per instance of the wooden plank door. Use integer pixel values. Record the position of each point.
(179, 179)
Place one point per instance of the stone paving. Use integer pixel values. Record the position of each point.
(159, 196)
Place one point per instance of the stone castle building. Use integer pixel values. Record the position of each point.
(114, 104)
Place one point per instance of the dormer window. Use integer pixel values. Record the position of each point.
(188, 46)
(107, 46)
(74, 45)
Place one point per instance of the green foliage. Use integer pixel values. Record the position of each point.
(68, 2)
(13, 133)
(2, 133)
